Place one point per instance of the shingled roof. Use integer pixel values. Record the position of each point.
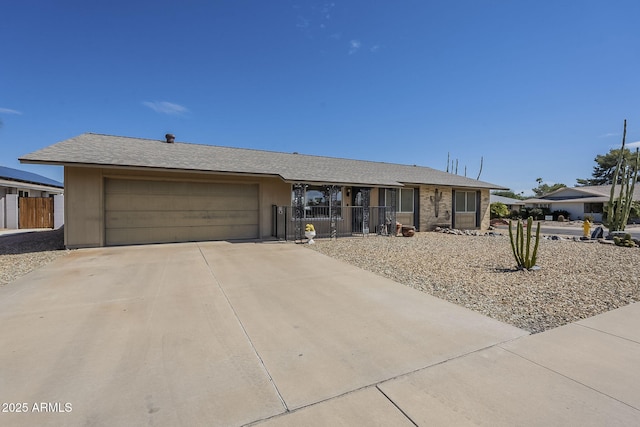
(117, 151)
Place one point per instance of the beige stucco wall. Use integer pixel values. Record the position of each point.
(485, 209)
(83, 208)
(84, 198)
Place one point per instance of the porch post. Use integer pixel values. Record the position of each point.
(298, 210)
(391, 217)
(366, 202)
(332, 191)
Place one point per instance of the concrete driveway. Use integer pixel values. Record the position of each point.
(233, 334)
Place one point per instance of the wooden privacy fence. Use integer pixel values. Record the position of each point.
(35, 212)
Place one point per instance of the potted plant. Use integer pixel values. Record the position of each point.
(310, 233)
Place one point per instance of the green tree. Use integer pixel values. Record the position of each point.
(605, 167)
(508, 193)
(543, 188)
(499, 210)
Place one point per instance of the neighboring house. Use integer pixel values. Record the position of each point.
(578, 201)
(17, 184)
(121, 190)
(512, 204)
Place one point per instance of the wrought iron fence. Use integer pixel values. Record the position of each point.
(288, 222)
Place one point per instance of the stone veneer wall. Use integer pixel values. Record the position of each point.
(428, 219)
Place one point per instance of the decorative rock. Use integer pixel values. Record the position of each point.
(481, 274)
(408, 230)
(597, 233)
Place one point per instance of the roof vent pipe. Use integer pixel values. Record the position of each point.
(171, 138)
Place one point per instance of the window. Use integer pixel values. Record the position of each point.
(542, 205)
(23, 193)
(316, 202)
(404, 200)
(593, 207)
(466, 201)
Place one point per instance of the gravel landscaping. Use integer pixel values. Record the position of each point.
(576, 280)
(23, 252)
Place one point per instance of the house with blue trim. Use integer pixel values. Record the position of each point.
(16, 184)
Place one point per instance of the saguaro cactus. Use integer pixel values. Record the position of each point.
(525, 258)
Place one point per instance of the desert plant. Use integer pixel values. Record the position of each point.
(560, 218)
(625, 175)
(625, 241)
(525, 257)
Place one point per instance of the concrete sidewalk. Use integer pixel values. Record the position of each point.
(233, 334)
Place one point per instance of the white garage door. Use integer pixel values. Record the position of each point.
(139, 211)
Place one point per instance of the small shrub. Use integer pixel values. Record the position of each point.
(560, 218)
(556, 215)
(515, 214)
(537, 213)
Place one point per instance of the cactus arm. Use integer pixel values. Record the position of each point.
(613, 217)
(513, 245)
(632, 177)
(526, 257)
(521, 243)
(534, 256)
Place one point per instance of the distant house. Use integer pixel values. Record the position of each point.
(512, 204)
(121, 190)
(578, 201)
(17, 184)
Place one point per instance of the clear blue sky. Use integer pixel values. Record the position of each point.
(538, 88)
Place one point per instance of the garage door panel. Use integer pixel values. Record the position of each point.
(133, 219)
(139, 211)
(122, 202)
(123, 236)
(140, 187)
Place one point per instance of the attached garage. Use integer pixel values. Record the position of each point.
(145, 211)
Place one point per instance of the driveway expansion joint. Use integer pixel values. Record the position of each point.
(244, 331)
(397, 407)
(569, 378)
(606, 332)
